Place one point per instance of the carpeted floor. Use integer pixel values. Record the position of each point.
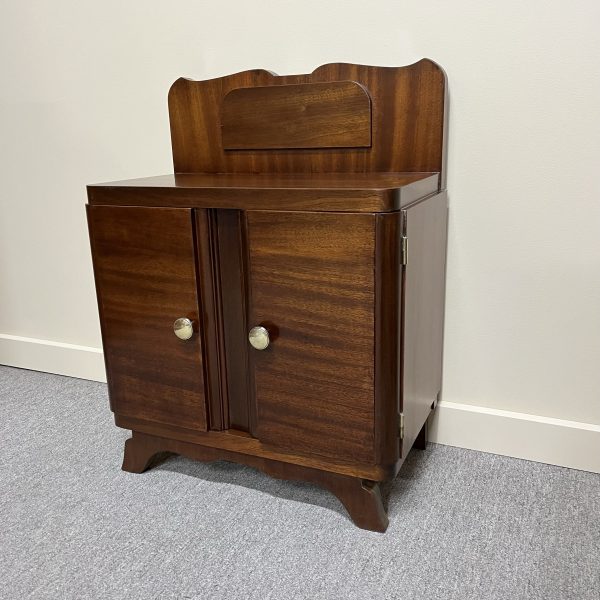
(462, 524)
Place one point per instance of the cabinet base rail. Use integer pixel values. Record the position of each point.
(361, 497)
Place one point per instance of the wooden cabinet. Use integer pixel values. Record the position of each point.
(280, 304)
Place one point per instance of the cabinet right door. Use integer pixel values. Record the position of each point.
(312, 286)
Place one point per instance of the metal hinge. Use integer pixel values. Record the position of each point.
(404, 248)
(401, 426)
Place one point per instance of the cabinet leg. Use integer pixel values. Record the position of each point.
(421, 441)
(142, 453)
(362, 500)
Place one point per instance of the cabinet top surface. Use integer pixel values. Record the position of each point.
(338, 192)
(287, 181)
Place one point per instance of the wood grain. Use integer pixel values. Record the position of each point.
(232, 276)
(312, 286)
(309, 115)
(376, 192)
(244, 443)
(408, 106)
(362, 499)
(209, 295)
(144, 267)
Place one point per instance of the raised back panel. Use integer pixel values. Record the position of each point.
(307, 115)
(407, 123)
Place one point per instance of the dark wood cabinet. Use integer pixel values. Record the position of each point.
(279, 300)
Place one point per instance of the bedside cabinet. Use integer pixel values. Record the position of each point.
(278, 301)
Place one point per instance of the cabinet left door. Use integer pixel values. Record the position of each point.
(145, 270)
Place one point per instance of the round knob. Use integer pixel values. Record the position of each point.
(258, 337)
(183, 328)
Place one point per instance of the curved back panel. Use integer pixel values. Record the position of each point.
(407, 125)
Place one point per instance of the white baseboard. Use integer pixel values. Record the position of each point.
(83, 362)
(531, 437)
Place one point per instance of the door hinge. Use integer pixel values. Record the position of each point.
(404, 248)
(401, 426)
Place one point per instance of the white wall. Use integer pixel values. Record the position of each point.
(83, 99)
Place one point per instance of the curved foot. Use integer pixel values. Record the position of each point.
(362, 500)
(142, 453)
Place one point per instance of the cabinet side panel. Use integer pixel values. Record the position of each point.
(424, 288)
(312, 286)
(144, 266)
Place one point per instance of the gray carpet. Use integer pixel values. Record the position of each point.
(463, 524)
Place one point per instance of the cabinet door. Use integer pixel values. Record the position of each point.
(311, 279)
(144, 265)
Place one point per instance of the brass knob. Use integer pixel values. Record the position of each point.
(183, 328)
(258, 337)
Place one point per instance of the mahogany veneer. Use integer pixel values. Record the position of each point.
(310, 212)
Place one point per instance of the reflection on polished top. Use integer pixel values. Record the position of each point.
(368, 181)
(343, 192)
